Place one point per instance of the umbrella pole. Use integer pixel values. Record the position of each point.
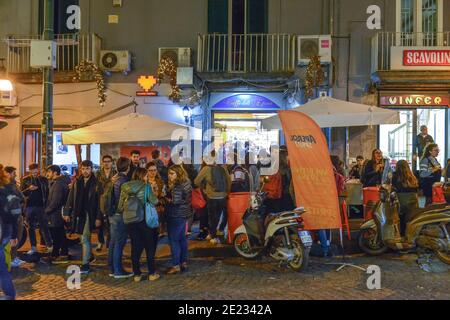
(347, 147)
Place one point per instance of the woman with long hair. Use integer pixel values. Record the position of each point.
(179, 210)
(430, 171)
(142, 236)
(159, 188)
(406, 185)
(8, 225)
(374, 170)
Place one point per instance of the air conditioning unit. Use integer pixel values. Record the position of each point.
(181, 56)
(309, 46)
(115, 61)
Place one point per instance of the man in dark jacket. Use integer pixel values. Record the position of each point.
(57, 198)
(82, 209)
(135, 163)
(118, 233)
(35, 189)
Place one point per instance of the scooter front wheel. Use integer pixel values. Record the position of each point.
(301, 258)
(242, 246)
(368, 241)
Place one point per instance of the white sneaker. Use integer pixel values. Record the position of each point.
(17, 263)
(32, 251)
(208, 237)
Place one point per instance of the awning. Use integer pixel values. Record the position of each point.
(331, 113)
(133, 127)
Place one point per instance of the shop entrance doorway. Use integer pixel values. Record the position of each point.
(243, 128)
(397, 141)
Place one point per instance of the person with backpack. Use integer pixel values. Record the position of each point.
(57, 197)
(118, 231)
(179, 209)
(134, 196)
(82, 211)
(430, 171)
(105, 179)
(216, 185)
(9, 214)
(159, 187)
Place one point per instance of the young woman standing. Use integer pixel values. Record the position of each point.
(178, 210)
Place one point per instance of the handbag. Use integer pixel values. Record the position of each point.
(151, 214)
(198, 201)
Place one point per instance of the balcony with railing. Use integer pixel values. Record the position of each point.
(246, 53)
(383, 42)
(71, 50)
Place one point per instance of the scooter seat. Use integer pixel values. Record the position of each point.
(419, 211)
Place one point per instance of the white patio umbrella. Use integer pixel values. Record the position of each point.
(133, 127)
(332, 113)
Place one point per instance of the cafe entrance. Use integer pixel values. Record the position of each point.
(398, 141)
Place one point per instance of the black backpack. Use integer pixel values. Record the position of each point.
(219, 183)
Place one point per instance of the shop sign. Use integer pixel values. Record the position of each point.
(246, 101)
(420, 58)
(426, 57)
(414, 100)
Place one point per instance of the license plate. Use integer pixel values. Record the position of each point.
(305, 237)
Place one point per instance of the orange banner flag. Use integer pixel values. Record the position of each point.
(312, 171)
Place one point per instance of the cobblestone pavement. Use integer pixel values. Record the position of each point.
(229, 277)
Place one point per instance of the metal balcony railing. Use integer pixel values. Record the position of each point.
(382, 43)
(71, 50)
(246, 53)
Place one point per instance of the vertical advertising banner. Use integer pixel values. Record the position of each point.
(312, 171)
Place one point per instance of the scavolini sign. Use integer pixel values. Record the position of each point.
(420, 58)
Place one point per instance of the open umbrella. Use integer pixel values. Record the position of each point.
(328, 112)
(133, 127)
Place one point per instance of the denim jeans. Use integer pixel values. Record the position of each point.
(178, 240)
(324, 238)
(86, 242)
(117, 241)
(6, 283)
(36, 215)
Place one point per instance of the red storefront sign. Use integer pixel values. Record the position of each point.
(426, 58)
(415, 100)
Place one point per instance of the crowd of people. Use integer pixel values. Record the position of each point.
(119, 201)
(126, 199)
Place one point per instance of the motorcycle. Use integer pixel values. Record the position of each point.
(279, 235)
(428, 229)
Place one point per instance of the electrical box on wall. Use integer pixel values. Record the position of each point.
(185, 76)
(43, 54)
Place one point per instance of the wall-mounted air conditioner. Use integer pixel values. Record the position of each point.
(181, 56)
(309, 46)
(115, 61)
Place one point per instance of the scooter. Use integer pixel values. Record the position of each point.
(278, 235)
(428, 228)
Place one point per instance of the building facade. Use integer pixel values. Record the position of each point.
(241, 60)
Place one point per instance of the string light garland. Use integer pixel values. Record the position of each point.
(90, 68)
(314, 76)
(167, 68)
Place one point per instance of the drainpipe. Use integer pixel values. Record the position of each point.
(47, 101)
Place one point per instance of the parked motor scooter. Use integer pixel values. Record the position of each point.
(278, 235)
(427, 229)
